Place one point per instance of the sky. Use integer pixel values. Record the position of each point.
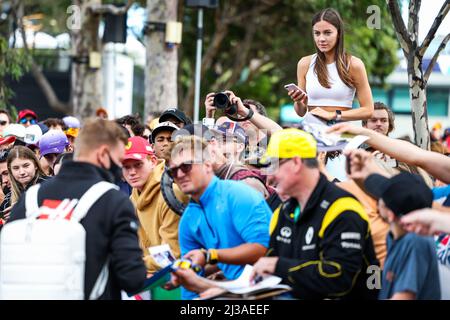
(428, 11)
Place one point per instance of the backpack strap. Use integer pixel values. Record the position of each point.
(85, 203)
(31, 201)
(90, 197)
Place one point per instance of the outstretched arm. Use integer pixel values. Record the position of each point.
(436, 164)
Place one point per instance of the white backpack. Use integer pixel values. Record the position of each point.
(44, 259)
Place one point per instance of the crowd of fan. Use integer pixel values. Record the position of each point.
(255, 193)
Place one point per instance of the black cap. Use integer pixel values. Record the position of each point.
(402, 193)
(198, 130)
(176, 113)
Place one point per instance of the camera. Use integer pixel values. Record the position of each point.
(222, 101)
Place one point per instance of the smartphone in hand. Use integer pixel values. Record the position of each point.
(293, 86)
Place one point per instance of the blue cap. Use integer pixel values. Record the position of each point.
(43, 127)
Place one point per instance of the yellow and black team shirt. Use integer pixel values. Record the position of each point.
(325, 253)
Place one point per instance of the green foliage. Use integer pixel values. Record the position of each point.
(13, 64)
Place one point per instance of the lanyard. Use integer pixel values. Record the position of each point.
(297, 213)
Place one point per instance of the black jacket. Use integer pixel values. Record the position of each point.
(324, 256)
(111, 228)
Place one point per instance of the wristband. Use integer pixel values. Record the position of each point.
(212, 256)
(247, 117)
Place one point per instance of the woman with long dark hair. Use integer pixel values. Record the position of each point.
(331, 77)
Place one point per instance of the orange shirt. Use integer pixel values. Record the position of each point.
(378, 227)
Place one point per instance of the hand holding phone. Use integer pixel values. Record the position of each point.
(298, 96)
(293, 87)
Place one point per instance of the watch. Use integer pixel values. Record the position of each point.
(338, 115)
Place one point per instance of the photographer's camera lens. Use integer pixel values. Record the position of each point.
(221, 100)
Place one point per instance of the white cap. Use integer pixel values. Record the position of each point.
(33, 134)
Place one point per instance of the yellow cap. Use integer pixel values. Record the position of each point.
(437, 126)
(289, 143)
(73, 132)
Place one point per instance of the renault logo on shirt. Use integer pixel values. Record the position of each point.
(285, 234)
(308, 238)
(309, 235)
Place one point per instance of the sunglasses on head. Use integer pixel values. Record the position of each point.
(184, 167)
(25, 120)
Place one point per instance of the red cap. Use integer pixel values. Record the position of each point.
(137, 148)
(26, 112)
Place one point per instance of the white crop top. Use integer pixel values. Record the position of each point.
(339, 95)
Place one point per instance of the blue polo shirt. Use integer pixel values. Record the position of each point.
(230, 213)
(411, 265)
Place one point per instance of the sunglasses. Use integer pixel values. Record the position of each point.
(184, 167)
(3, 123)
(25, 120)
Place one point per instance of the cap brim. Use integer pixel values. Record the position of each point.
(375, 185)
(54, 150)
(7, 140)
(135, 156)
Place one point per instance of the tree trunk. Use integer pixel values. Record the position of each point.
(418, 98)
(162, 61)
(86, 81)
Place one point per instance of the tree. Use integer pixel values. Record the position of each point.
(13, 64)
(86, 81)
(414, 52)
(162, 59)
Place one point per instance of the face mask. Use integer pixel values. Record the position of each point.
(115, 171)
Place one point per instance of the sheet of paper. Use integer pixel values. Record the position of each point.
(242, 284)
(326, 141)
(355, 142)
(162, 255)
